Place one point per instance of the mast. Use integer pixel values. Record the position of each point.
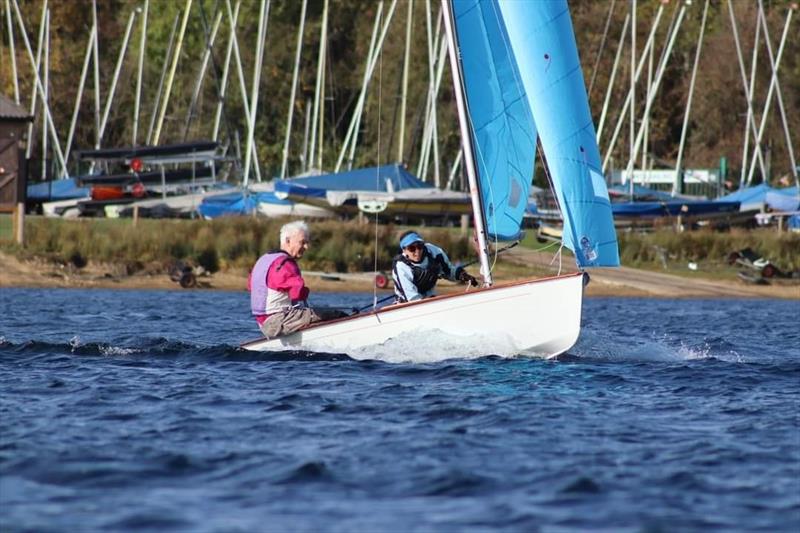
(751, 121)
(223, 91)
(46, 82)
(466, 143)
(611, 80)
(139, 71)
(96, 47)
(79, 96)
(775, 63)
(650, 42)
(37, 65)
(319, 89)
(297, 58)
(321, 139)
(40, 89)
(304, 158)
(634, 78)
(201, 74)
(753, 65)
(257, 67)
(603, 45)
(424, 147)
(676, 186)
(656, 83)
(12, 51)
(242, 86)
(404, 96)
(161, 79)
(171, 76)
(115, 79)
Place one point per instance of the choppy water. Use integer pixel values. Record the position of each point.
(136, 411)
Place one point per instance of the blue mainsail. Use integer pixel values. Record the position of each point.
(543, 44)
(503, 132)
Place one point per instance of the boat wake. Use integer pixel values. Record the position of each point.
(604, 345)
(430, 346)
(434, 346)
(161, 348)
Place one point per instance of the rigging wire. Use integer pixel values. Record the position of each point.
(558, 204)
(602, 47)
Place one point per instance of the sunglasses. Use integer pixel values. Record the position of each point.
(415, 247)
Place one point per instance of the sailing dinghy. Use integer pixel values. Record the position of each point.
(517, 77)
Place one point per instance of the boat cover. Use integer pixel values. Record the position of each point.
(387, 178)
(49, 191)
(672, 208)
(237, 203)
(755, 197)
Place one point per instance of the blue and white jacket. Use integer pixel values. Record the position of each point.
(414, 281)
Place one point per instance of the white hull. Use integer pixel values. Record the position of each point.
(536, 317)
(295, 210)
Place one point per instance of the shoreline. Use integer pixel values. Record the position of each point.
(621, 282)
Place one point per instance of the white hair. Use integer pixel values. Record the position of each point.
(288, 230)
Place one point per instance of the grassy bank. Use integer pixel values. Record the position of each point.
(221, 244)
(235, 243)
(652, 250)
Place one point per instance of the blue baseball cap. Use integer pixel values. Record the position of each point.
(410, 238)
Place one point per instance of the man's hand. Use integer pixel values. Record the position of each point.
(466, 278)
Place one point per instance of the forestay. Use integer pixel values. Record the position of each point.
(543, 44)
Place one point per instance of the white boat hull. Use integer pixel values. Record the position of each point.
(535, 317)
(295, 210)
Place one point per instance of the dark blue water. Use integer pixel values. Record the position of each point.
(136, 411)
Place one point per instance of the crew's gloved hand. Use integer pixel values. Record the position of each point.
(466, 278)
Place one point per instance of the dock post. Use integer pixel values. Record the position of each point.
(19, 223)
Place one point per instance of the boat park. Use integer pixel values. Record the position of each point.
(185, 111)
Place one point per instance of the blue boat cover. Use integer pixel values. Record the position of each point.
(672, 208)
(757, 195)
(503, 130)
(50, 191)
(237, 203)
(544, 46)
(787, 199)
(386, 178)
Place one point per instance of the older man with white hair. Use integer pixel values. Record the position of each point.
(278, 292)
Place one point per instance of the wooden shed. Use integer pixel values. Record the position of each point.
(13, 176)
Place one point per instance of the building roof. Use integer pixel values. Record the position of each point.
(10, 110)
